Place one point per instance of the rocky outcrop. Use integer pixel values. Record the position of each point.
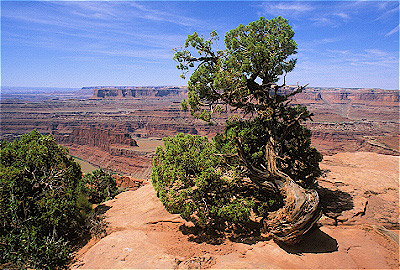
(136, 166)
(309, 95)
(342, 119)
(346, 95)
(143, 235)
(127, 182)
(334, 137)
(384, 96)
(137, 92)
(94, 136)
(360, 95)
(163, 129)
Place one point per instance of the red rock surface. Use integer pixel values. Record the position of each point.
(368, 185)
(143, 235)
(94, 136)
(128, 182)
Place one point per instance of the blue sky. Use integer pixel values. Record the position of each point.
(88, 43)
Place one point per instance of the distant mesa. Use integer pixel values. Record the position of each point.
(345, 95)
(130, 92)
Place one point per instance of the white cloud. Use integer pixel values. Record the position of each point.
(285, 9)
(160, 15)
(155, 54)
(312, 45)
(376, 52)
(387, 13)
(323, 21)
(372, 57)
(342, 15)
(328, 40)
(294, 7)
(97, 28)
(394, 30)
(339, 51)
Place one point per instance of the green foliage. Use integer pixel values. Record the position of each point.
(188, 178)
(243, 78)
(258, 52)
(237, 178)
(298, 158)
(41, 209)
(99, 186)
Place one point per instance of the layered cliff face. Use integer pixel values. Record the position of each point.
(350, 95)
(387, 96)
(136, 92)
(104, 131)
(309, 94)
(93, 136)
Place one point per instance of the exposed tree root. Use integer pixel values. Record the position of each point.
(300, 212)
(301, 208)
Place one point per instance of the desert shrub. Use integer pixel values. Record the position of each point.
(41, 208)
(99, 186)
(193, 180)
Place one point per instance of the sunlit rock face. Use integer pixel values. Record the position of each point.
(136, 92)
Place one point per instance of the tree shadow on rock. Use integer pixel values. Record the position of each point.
(95, 226)
(246, 235)
(101, 209)
(315, 241)
(198, 235)
(249, 235)
(334, 201)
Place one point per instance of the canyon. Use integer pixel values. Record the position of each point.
(118, 128)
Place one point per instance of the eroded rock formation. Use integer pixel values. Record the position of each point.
(94, 136)
(360, 120)
(137, 92)
(128, 182)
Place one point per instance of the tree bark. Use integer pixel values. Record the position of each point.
(300, 212)
(301, 208)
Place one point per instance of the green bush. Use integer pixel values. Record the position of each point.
(41, 208)
(192, 179)
(99, 186)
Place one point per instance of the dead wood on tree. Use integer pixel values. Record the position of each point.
(300, 212)
(301, 209)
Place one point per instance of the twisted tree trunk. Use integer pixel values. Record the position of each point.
(300, 212)
(301, 208)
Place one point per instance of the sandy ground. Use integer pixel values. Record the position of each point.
(86, 167)
(360, 196)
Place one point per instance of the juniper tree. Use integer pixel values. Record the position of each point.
(42, 211)
(99, 186)
(265, 154)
